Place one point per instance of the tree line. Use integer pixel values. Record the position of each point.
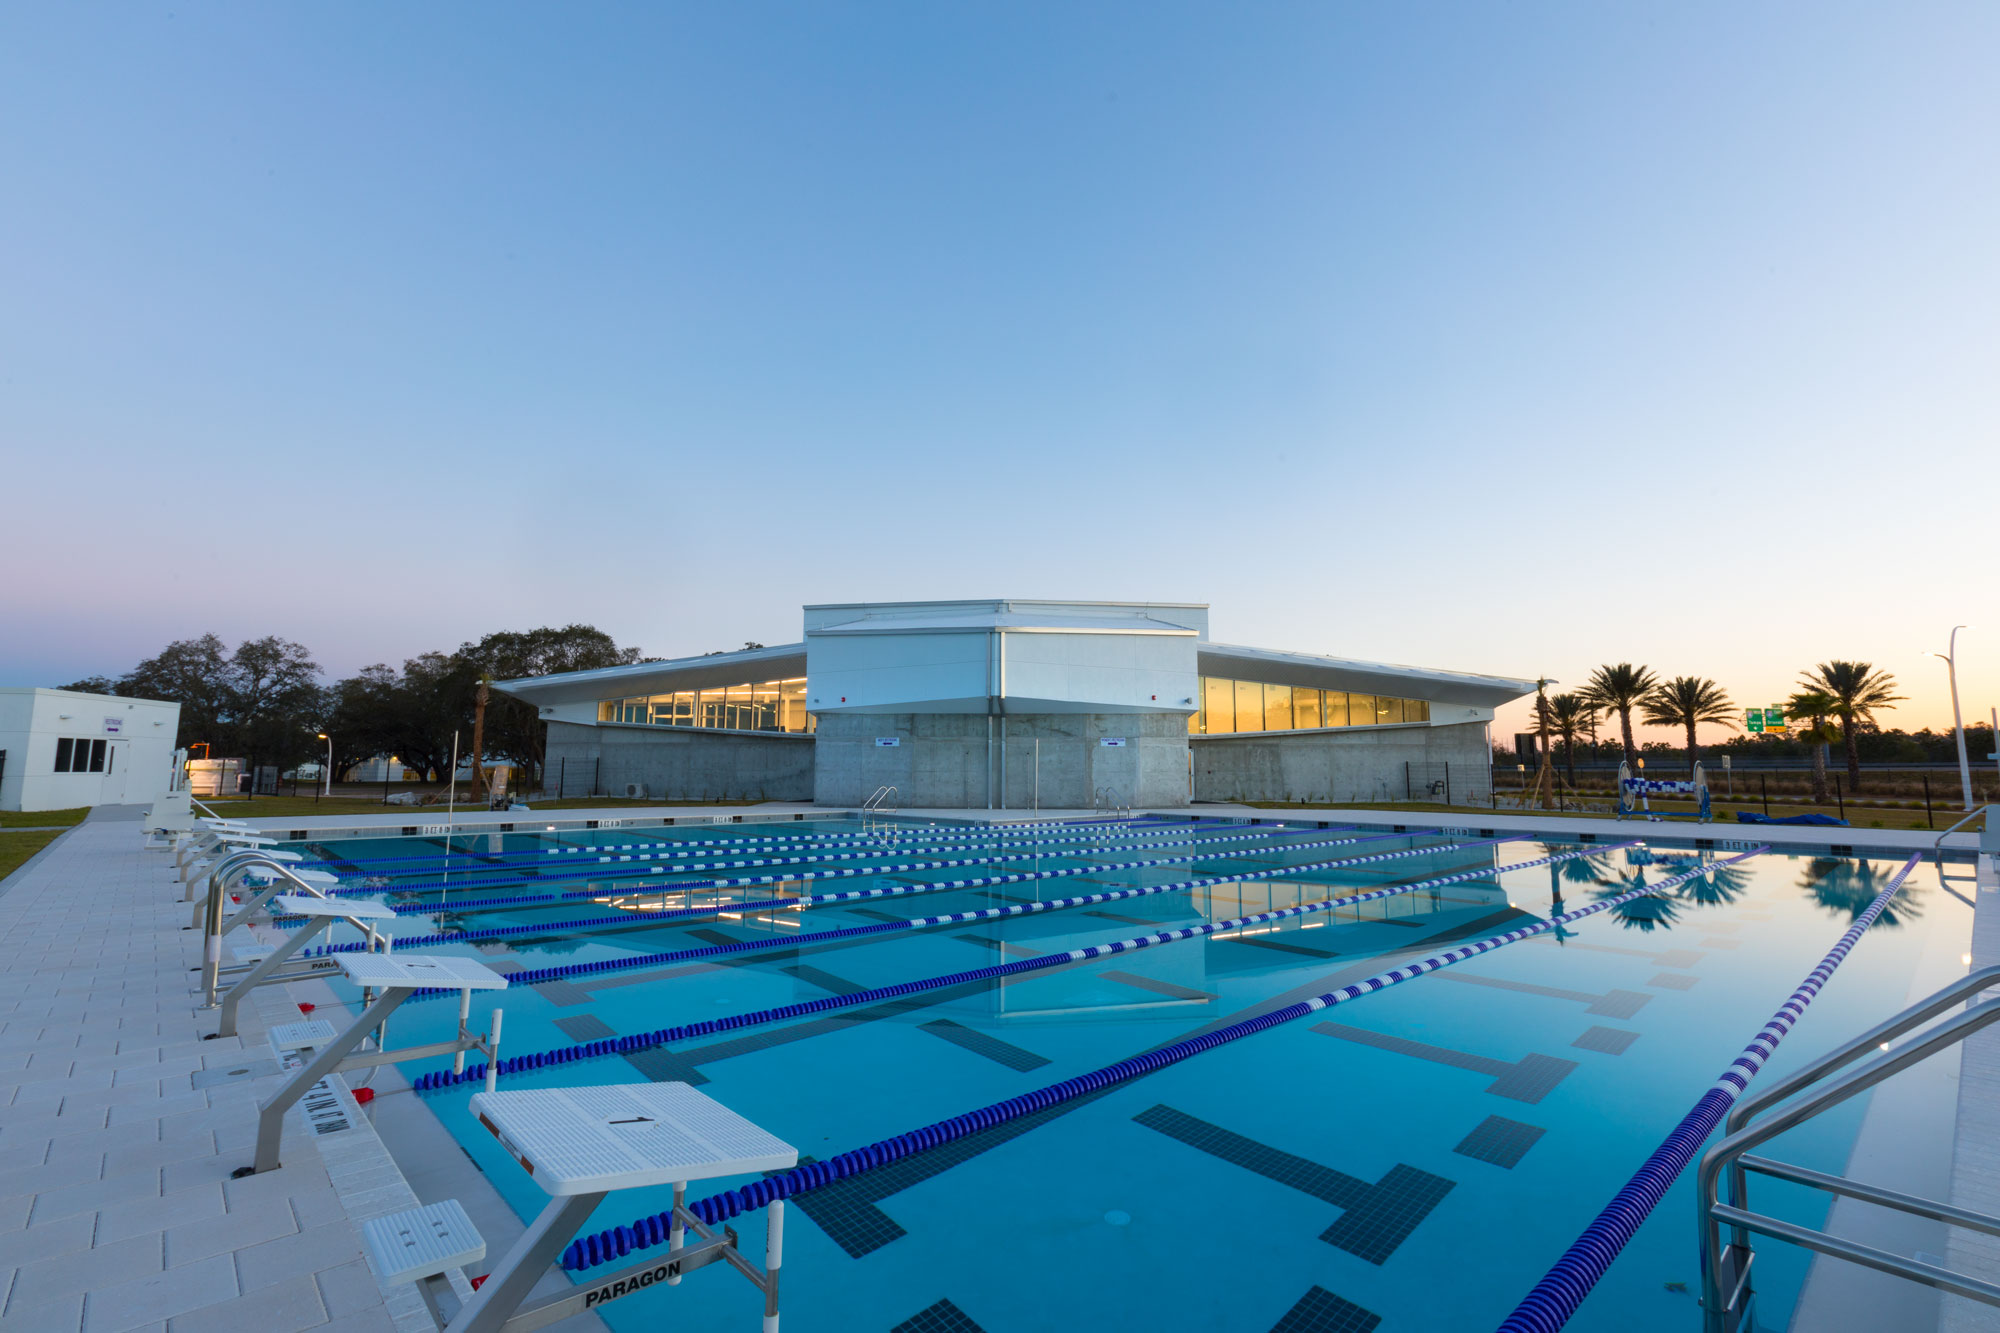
(1833, 701)
(265, 701)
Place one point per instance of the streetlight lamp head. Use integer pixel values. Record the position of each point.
(320, 736)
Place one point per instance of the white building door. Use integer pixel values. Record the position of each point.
(117, 759)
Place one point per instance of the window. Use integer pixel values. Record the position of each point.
(1277, 708)
(63, 747)
(765, 705)
(96, 755)
(1249, 705)
(1305, 708)
(1230, 706)
(1218, 706)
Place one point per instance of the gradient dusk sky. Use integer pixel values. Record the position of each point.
(1508, 338)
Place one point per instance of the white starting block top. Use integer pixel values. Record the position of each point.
(312, 876)
(302, 1036)
(407, 1246)
(280, 856)
(439, 971)
(625, 1136)
(357, 909)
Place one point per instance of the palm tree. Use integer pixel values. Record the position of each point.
(1687, 701)
(1570, 717)
(1619, 689)
(1858, 689)
(1817, 707)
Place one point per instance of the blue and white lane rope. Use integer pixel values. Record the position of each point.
(613, 1243)
(832, 841)
(639, 866)
(1556, 1297)
(563, 1055)
(801, 902)
(535, 976)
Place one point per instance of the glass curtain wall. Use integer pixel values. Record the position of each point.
(1232, 706)
(765, 705)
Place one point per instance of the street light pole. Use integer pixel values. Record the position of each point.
(1957, 723)
(326, 778)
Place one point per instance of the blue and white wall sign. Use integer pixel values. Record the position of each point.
(1112, 740)
(888, 740)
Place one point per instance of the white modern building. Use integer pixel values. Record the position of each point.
(1009, 704)
(60, 750)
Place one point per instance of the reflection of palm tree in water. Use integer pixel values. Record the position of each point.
(1652, 911)
(1845, 888)
(1716, 886)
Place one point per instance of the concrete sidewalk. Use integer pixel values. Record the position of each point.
(120, 1126)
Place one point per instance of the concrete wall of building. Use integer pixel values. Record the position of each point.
(678, 763)
(1349, 764)
(944, 760)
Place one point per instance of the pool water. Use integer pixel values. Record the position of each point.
(1414, 1159)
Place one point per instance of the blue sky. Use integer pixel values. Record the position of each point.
(1508, 338)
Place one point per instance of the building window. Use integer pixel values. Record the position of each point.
(766, 705)
(79, 755)
(1231, 706)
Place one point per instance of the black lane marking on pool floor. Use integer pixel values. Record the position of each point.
(826, 981)
(1279, 946)
(1158, 987)
(1674, 981)
(1611, 1004)
(847, 1210)
(1320, 1311)
(1528, 1079)
(944, 1317)
(1374, 1219)
(1608, 1041)
(1501, 1141)
(584, 1027)
(980, 1043)
(561, 992)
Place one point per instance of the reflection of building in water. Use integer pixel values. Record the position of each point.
(1183, 974)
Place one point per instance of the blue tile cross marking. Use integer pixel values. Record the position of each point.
(1375, 1218)
(1528, 1079)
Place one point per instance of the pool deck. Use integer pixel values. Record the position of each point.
(120, 1126)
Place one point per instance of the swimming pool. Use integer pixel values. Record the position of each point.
(1417, 1157)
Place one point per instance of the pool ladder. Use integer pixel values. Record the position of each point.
(1727, 1296)
(1108, 801)
(875, 809)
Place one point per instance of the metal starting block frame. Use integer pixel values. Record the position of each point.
(581, 1144)
(227, 874)
(398, 977)
(320, 914)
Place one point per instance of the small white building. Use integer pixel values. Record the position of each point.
(60, 749)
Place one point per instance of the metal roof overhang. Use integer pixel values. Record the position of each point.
(1336, 673)
(784, 662)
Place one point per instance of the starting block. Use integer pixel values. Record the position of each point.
(579, 1145)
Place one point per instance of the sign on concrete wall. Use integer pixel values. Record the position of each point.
(888, 740)
(1112, 740)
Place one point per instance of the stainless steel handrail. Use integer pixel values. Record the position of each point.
(1726, 1269)
(1986, 810)
(213, 927)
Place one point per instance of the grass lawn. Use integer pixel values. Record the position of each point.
(41, 818)
(279, 807)
(16, 848)
(1723, 812)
